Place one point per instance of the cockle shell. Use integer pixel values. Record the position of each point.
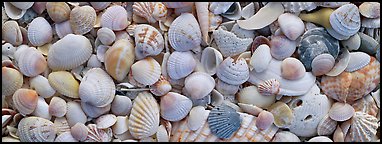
(269, 87)
(146, 71)
(58, 11)
(341, 111)
(233, 72)
(121, 105)
(251, 95)
(322, 64)
(370, 9)
(357, 61)
(292, 69)
(368, 44)
(115, 18)
(106, 36)
(57, 107)
(42, 109)
(143, 125)
(75, 114)
(291, 25)
(11, 33)
(320, 139)
(229, 44)
(363, 128)
(260, 58)
(184, 33)
(82, 19)
(346, 20)
(151, 11)
(210, 59)
(25, 101)
(174, 106)
(119, 58)
(62, 29)
(42, 86)
(197, 117)
(30, 61)
(367, 105)
(36, 129)
(100, 5)
(199, 84)
(22, 5)
(12, 80)
(177, 4)
(224, 121)
(97, 88)
(285, 136)
(148, 41)
(64, 83)
(297, 7)
(106, 121)
(264, 17)
(180, 64)
(327, 126)
(13, 12)
(264, 120)
(61, 125)
(65, 137)
(93, 111)
(282, 47)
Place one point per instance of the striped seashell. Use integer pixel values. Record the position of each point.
(82, 19)
(369, 45)
(282, 47)
(65, 137)
(233, 72)
(203, 19)
(106, 121)
(177, 4)
(106, 36)
(363, 128)
(367, 105)
(180, 64)
(357, 61)
(224, 121)
(25, 101)
(62, 29)
(79, 131)
(12, 80)
(42, 86)
(327, 126)
(30, 61)
(285, 136)
(184, 33)
(269, 87)
(13, 12)
(229, 44)
(57, 107)
(75, 114)
(200, 84)
(174, 106)
(346, 20)
(264, 120)
(146, 71)
(93, 111)
(292, 69)
(100, 5)
(119, 58)
(370, 9)
(291, 25)
(58, 11)
(148, 41)
(353, 43)
(11, 33)
(161, 87)
(115, 18)
(322, 64)
(36, 129)
(370, 23)
(341, 111)
(61, 125)
(151, 11)
(64, 83)
(121, 105)
(22, 5)
(42, 109)
(260, 58)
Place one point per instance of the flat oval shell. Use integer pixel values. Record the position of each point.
(261, 58)
(292, 69)
(64, 83)
(322, 64)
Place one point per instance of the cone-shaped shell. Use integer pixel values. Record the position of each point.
(36, 129)
(292, 69)
(224, 121)
(229, 44)
(184, 33)
(115, 18)
(58, 11)
(363, 128)
(174, 106)
(148, 41)
(260, 58)
(180, 64)
(341, 111)
(25, 100)
(11, 33)
(82, 19)
(119, 58)
(146, 71)
(346, 20)
(203, 19)
(42, 86)
(57, 107)
(11, 81)
(199, 84)
(64, 83)
(31, 62)
(231, 72)
(291, 25)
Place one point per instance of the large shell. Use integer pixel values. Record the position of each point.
(114, 18)
(184, 33)
(64, 83)
(233, 72)
(106, 36)
(260, 58)
(229, 44)
(75, 114)
(57, 107)
(367, 105)
(370, 9)
(42, 86)
(224, 121)
(31, 62)
(151, 11)
(180, 64)
(285, 136)
(292, 69)
(297, 7)
(357, 61)
(327, 126)
(291, 25)
(199, 84)
(25, 101)
(58, 11)
(62, 29)
(211, 59)
(363, 128)
(119, 58)
(146, 71)
(320, 139)
(264, 17)
(121, 105)
(174, 106)
(346, 20)
(148, 41)
(322, 64)
(341, 111)
(82, 19)
(36, 129)
(282, 47)
(97, 88)
(11, 33)
(144, 117)
(12, 80)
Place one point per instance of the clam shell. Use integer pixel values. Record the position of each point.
(233, 72)
(297, 7)
(75, 114)
(93, 111)
(363, 128)
(367, 105)
(282, 47)
(177, 4)
(65, 137)
(25, 101)
(42, 109)
(161, 87)
(64, 83)
(119, 58)
(99, 5)
(42, 86)
(264, 120)
(146, 71)
(197, 117)
(106, 36)
(234, 12)
(341, 111)
(184, 33)
(341, 63)
(322, 64)
(151, 11)
(57, 107)
(353, 43)
(320, 139)
(249, 10)
(58, 11)
(210, 59)
(143, 125)
(224, 121)
(36, 129)
(327, 126)
(62, 29)
(269, 87)
(229, 44)
(13, 12)
(370, 9)
(31, 62)
(283, 115)
(292, 69)
(291, 25)
(264, 17)
(121, 125)
(260, 58)
(79, 131)
(121, 105)
(180, 64)
(357, 61)
(251, 95)
(368, 44)
(200, 84)
(225, 88)
(22, 5)
(11, 33)
(346, 20)
(114, 18)
(105, 121)
(174, 106)
(285, 136)
(148, 41)
(12, 80)
(82, 19)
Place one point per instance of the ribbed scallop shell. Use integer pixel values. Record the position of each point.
(98, 135)
(291, 25)
(151, 11)
(82, 19)
(25, 101)
(224, 121)
(93, 111)
(42, 86)
(22, 5)
(31, 62)
(11, 33)
(184, 33)
(358, 60)
(106, 36)
(146, 71)
(292, 69)
(36, 129)
(260, 58)
(233, 72)
(57, 107)
(177, 4)
(297, 7)
(148, 41)
(229, 44)
(322, 64)
(12, 80)
(115, 18)
(119, 58)
(282, 47)
(100, 5)
(97, 88)
(264, 120)
(161, 87)
(269, 87)
(346, 20)
(58, 11)
(75, 114)
(64, 83)
(327, 126)
(367, 105)
(370, 9)
(199, 84)
(363, 128)
(180, 64)
(174, 106)
(62, 29)
(144, 117)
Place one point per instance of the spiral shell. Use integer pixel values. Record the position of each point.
(64, 83)
(11, 33)
(184, 33)
(31, 62)
(148, 41)
(58, 11)
(180, 64)
(174, 106)
(106, 36)
(115, 18)
(119, 58)
(233, 72)
(82, 19)
(12, 80)
(25, 101)
(151, 11)
(36, 129)
(146, 71)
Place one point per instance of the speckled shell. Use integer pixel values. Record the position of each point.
(58, 11)
(291, 25)
(57, 107)
(106, 36)
(260, 58)
(251, 95)
(115, 18)
(31, 62)
(363, 128)
(25, 101)
(292, 69)
(62, 29)
(341, 111)
(210, 59)
(180, 64)
(199, 84)
(12, 80)
(121, 105)
(148, 41)
(184, 33)
(36, 129)
(229, 44)
(357, 61)
(22, 5)
(327, 126)
(297, 7)
(11, 33)
(42, 86)
(367, 105)
(151, 11)
(100, 5)
(177, 4)
(75, 114)
(370, 9)
(82, 19)
(146, 71)
(282, 47)
(97, 88)
(233, 72)
(174, 106)
(322, 64)
(64, 83)
(119, 58)
(346, 20)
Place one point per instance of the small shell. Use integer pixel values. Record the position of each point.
(331, 4)
(13, 12)
(93, 62)
(322, 64)
(264, 120)
(57, 107)
(285, 136)
(82, 19)
(264, 17)
(291, 25)
(260, 58)
(11, 33)
(148, 41)
(341, 111)
(358, 60)
(368, 44)
(151, 11)
(338, 135)
(269, 87)
(292, 69)
(25, 101)
(174, 106)
(180, 64)
(210, 59)
(22, 5)
(93, 111)
(370, 9)
(100, 5)
(197, 117)
(282, 47)
(162, 135)
(65, 137)
(229, 44)
(58, 11)
(62, 29)
(297, 7)
(184, 33)
(12, 81)
(42, 109)
(363, 128)
(233, 72)
(224, 121)
(353, 43)
(121, 125)
(250, 109)
(64, 83)
(220, 7)
(346, 20)
(119, 58)
(106, 121)
(79, 131)
(42, 86)
(200, 84)
(283, 115)
(327, 126)
(251, 95)
(36, 129)
(115, 18)
(225, 88)
(75, 114)
(367, 105)
(203, 19)
(121, 105)
(106, 36)
(320, 139)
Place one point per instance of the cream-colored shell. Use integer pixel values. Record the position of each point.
(199, 84)
(161, 87)
(82, 19)
(146, 71)
(119, 58)
(151, 11)
(42, 86)
(184, 33)
(64, 83)
(121, 125)
(12, 80)
(58, 11)
(11, 33)
(75, 114)
(115, 18)
(148, 41)
(250, 95)
(260, 58)
(36, 129)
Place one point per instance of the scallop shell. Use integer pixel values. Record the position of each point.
(115, 18)
(264, 17)
(121, 105)
(82, 19)
(57, 107)
(320, 139)
(203, 19)
(62, 29)
(42, 109)
(79, 131)
(25, 101)
(64, 83)
(119, 58)
(322, 64)
(58, 11)
(106, 36)
(297, 7)
(36, 129)
(13, 12)
(229, 44)
(210, 59)
(148, 41)
(151, 11)
(224, 121)
(200, 84)
(357, 61)
(363, 128)
(233, 72)
(225, 88)
(346, 20)
(12, 80)
(341, 111)
(180, 64)
(105, 121)
(291, 25)
(22, 5)
(366, 105)
(177, 4)
(99, 5)
(264, 120)
(282, 47)
(11, 33)
(65, 137)
(269, 87)
(283, 115)
(292, 69)
(285, 136)
(174, 106)
(98, 135)
(93, 111)
(260, 58)
(161, 87)
(327, 126)
(146, 71)
(370, 9)
(184, 33)
(75, 114)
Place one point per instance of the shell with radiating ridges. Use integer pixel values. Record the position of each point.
(36, 129)
(322, 64)
(184, 33)
(64, 83)
(346, 20)
(106, 36)
(65, 137)
(370, 9)
(224, 121)
(146, 71)
(161, 87)
(174, 106)
(180, 64)
(82, 19)
(25, 101)
(363, 128)
(12, 80)
(42, 86)
(367, 105)
(119, 58)
(269, 87)
(106, 121)
(282, 47)
(57, 107)
(233, 72)
(11, 33)
(58, 11)
(151, 11)
(115, 18)
(200, 84)
(341, 111)
(148, 41)
(327, 126)
(291, 25)
(229, 44)
(98, 135)
(260, 58)
(30, 61)
(357, 61)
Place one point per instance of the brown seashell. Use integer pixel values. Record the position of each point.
(25, 101)
(148, 41)
(341, 111)
(119, 58)
(264, 120)
(259, 40)
(292, 69)
(82, 19)
(58, 11)
(338, 135)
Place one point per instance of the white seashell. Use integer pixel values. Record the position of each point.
(62, 29)
(11, 33)
(106, 36)
(161, 87)
(220, 7)
(197, 117)
(42, 109)
(184, 33)
(13, 12)
(297, 7)
(260, 58)
(200, 84)
(151, 11)
(250, 109)
(25, 101)
(346, 20)
(42, 86)
(105, 121)
(211, 58)
(282, 47)
(146, 71)
(93, 62)
(115, 18)
(320, 139)
(22, 5)
(291, 25)
(119, 58)
(251, 95)
(216, 98)
(121, 105)
(180, 64)
(322, 64)
(30, 61)
(100, 5)
(148, 41)
(65, 137)
(203, 19)
(229, 44)
(93, 111)
(264, 17)
(225, 88)
(341, 111)
(162, 135)
(82, 19)
(249, 10)
(101, 50)
(327, 126)
(233, 72)
(12, 80)
(36, 129)
(174, 106)
(75, 114)
(285, 136)
(58, 11)
(121, 126)
(234, 12)
(342, 62)
(357, 61)
(363, 128)
(214, 21)
(57, 107)
(177, 4)
(61, 125)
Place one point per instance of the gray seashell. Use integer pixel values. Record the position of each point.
(22, 5)
(336, 35)
(248, 11)
(28, 17)
(229, 44)
(62, 29)
(346, 20)
(297, 7)
(358, 60)
(368, 44)
(233, 72)
(220, 7)
(224, 121)
(234, 12)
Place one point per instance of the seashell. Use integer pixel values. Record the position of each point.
(320, 17)
(353, 43)
(297, 7)
(291, 25)
(368, 44)
(338, 135)
(282, 47)
(283, 115)
(341, 111)
(8, 50)
(146, 71)
(106, 36)
(42, 86)
(214, 22)
(65, 137)
(11, 33)
(98, 135)
(251, 95)
(31, 62)
(349, 15)
(75, 114)
(97, 88)
(39, 7)
(57, 107)
(79, 131)
(93, 62)
(197, 117)
(143, 125)
(61, 125)
(204, 20)
(184, 33)
(320, 139)
(177, 4)
(363, 128)
(161, 87)
(106, 121)
(58, 11)
(93, 111)
(121, 125)
(341, 63)
(269, 87)
(233, 72)
(249, 10)
(36, 129)
(64, 83)
(42, 109)
(180, 64)
(224, 121)
(322, 64)
(242, 33)
(22, 5)
(62, 29)
(210, 59)
(370, 9)
(264, 17)
(229, 44)
(331, 4)
(9, 139)
(225, 88)
(264, 120)
(220, 7)
(327, 126)
(99, 5)
(366, 105)
(121, 105)
(82, 19)
(25, 101)
(119, 58)
(162, 135)
(292, 69)
(285, 136)
(260, 58)
(12, 80)
(357, 61)
(174, 106)
(234, 12)
(250, 109)
(200, 84)
(148, 41)
(151, 11)
(114, 18)
(13, 12)
(370, 22)
(216, 98)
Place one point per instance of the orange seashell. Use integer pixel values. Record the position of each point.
(25, 100)
(119, 58)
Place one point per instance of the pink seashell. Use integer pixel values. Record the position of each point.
(322, 64)
(39, 7)
(292, 69)
(291, 25)
(341, 111)
(264, 120)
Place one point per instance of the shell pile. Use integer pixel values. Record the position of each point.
(190, 71)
